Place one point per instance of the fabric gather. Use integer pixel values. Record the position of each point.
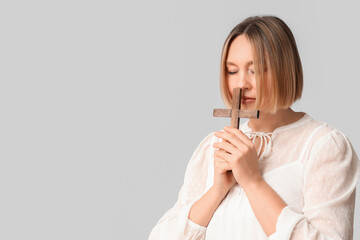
(262, 135)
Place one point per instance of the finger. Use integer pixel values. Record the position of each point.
(238, 133)
(231, 138)
(221, 164)
(223, 155)
(227, 146)
(226, 167)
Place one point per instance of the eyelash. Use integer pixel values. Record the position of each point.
(236, 72)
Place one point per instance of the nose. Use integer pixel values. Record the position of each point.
(244, 81)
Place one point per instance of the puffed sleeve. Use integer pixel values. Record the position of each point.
(175, 224)
(330, 176)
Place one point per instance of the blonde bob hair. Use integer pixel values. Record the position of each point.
(274, 49)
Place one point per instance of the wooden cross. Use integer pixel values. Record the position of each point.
(235, 112)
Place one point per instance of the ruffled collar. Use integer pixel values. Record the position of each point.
(266, 137)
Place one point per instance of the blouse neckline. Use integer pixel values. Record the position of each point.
(306, 118)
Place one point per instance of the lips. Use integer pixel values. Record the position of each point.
(248, 100)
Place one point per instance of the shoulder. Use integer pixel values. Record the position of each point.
(318, 130)
(325, 133)
(329, 144)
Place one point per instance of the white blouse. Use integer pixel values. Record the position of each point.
(311, 165)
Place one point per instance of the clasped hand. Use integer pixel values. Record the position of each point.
(240, 153)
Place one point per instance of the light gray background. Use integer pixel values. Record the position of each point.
(103, 103)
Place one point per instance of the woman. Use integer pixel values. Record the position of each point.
(292, 177)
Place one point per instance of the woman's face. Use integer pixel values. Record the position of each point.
(241, 71)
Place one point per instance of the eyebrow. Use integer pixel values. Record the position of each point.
(248, 63)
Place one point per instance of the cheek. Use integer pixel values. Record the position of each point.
(230, 87)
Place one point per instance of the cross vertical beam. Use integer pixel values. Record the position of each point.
(236, 106)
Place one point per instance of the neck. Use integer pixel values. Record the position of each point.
(268, 122)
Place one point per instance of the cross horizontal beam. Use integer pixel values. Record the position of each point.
(242, 113)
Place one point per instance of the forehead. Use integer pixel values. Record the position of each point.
(240, 52)
(229, 63)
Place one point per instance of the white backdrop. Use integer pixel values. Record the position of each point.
(102, 103)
